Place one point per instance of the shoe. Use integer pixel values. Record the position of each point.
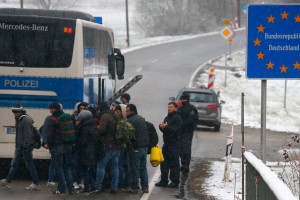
(95, 191)
(134, 191)
(161, 184)
(145, 190)
(57, 192)
(173, 185)
(184, 169)
(33, 187)
(76, 186)
(81, 185)
(114, 191)
(51, 184)
(4, 183)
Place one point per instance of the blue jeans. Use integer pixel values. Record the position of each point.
(61, 158)
(112, 156)
(51, 172)
(139, 168)
(27, 156)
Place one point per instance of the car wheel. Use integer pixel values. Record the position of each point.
(217, 127)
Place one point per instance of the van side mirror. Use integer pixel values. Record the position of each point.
(120, 63)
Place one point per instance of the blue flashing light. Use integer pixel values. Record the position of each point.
(98, 20)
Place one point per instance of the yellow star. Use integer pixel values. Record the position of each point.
(257, 42)
(284, 15)
(260, 55)
(283, 69)
(271, 19)
(296, 65)
(297, 19)
(261, 28)
(270, 65)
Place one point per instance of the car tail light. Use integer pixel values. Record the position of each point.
(212, 106)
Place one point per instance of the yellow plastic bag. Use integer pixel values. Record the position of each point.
(156, 156)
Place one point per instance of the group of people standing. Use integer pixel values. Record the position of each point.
(96, 157)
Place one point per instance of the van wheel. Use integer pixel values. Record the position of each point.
(217, 128)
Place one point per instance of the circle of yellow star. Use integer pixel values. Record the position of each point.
(257, 42)
(296, 65)
(297, 19)
(283, 69)
(284, 15)
(260, 55)
(270, 65)
(271, 19)
(261, 28)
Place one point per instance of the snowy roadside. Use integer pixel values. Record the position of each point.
(278, 119)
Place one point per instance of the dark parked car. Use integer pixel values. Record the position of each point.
(207, 103)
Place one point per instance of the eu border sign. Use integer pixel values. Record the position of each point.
(273, 43)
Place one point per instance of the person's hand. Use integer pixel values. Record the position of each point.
(46, 146)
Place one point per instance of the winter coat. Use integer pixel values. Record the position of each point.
(141, 133)
(107, 129)
(24, 132)
(49, 135)
(86, 139)
(189, 116)
(172, 131)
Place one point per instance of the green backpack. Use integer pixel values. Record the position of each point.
(125, 132)
(64, 128)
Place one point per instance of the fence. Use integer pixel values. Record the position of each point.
(262, 183)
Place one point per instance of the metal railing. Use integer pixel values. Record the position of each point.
(262, 183)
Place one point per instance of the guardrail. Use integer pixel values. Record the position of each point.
(262, 183)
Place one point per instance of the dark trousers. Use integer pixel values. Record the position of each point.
(170, 165)
(185, 150)
(26, 154)
(61, 157)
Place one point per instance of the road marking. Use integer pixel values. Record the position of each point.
(139, 69)
(151, 185)
(154, 61)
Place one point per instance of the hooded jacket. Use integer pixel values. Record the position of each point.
(141, 133)
(24, 132)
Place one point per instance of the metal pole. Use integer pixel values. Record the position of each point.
(243, 164)
(225, 65)
(263, 119)
(21, 3)
(127, 24)
(238, 14)
(285, 85)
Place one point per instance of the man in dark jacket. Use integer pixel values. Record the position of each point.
(24, 148)
(140, 145)
(170, 127)
(61, 152)
(189, 115)
(106, 134)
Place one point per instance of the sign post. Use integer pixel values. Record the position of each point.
(273, 49)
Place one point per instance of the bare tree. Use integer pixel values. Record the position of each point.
(54, 4)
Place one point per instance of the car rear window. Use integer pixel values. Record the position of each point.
(201, 97)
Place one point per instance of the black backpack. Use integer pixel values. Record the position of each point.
(36, 138)
(152, 135)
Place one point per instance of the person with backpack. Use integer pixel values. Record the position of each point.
(60, 133)
(170, 128)
(23, 149)
(140, 145)
(189, 115)
(111, 149)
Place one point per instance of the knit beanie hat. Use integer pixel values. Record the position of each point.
(17, 108)
(85, 115)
